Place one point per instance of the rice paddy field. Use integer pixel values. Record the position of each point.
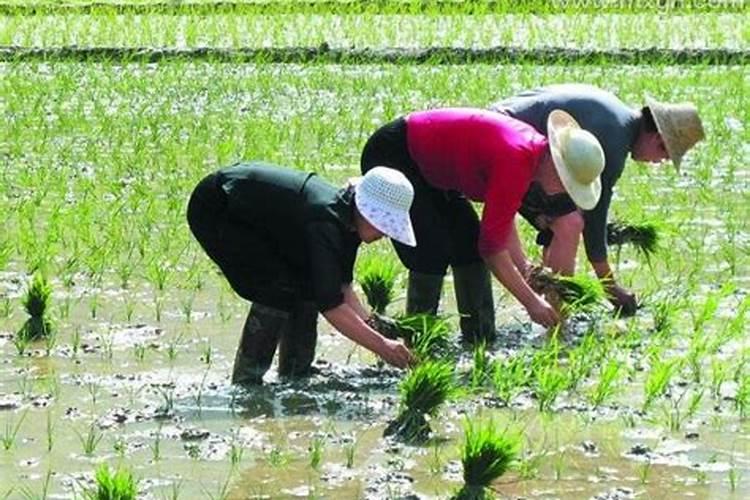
(100, 153)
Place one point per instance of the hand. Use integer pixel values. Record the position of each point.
(387, 327)
(543, 313)
(624, 301)
(397, 354)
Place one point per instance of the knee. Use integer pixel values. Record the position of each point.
(568, 226)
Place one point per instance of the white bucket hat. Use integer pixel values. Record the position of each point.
(578, 158)
(679, 126)
(383, 197)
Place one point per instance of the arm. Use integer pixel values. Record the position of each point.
(351, 325)
(353, 301)
(517, 255)
(502, 266)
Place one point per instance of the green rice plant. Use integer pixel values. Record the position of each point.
(742, 397)
(487, 454)
(549, 381)
(315, 450)
(350, 452)
(377, 276)
(236, 452)
(644, 471)
(509, 377)
(50, 428)
(90, 440)
(207, 355)
(277, 457)
(658, 379)
(606, 386)
(8, 438)
(644, 237)
(75, 341)
(673, 412)
(424, 390)
(175, 488)
(576, 293)
(173, 347)
(719, 375)
(118, 485)
(481, 368)
(156, 446)
(36, 302)
(139, 351)
(427, 335)
(582, 360)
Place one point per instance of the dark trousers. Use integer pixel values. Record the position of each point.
(445, 224)
(247, 257)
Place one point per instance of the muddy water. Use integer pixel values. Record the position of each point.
(175, 421)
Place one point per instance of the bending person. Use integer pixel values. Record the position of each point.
(654, 133)
(287, 241)
(452, 156)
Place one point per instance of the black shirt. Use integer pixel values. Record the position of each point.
(309, 220)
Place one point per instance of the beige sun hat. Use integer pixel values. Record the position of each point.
(578, 158)
(679, 126)
(383, 197)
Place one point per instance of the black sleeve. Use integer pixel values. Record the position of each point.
(325, 243)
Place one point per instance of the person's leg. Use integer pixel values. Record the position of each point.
(298, 341)
(428, 262)
(260, 336)
(560, 255)
(471, 278)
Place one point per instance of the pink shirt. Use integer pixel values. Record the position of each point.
(487, 156)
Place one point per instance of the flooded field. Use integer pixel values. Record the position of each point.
(98, 161)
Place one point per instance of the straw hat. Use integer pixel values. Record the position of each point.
(578, 158)
(383, 197)
(679, 126)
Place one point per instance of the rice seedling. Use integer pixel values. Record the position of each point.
(156, 446)
(90, 440)
(606, 386)
(575, 293)
(117, 485)
(207, 355)
(277, 457)
(423, 390)
(742, 397)
(510, 376)
(174, 346)
(377, 276)
(50, 428)
(236, 452)
(481, 368)
(644, 237)
(427, 335)
(658, 379)
(549, 382)
(487, 454)
(36, 303)
(644, 471)
(28, 494)
(11, 431)
(315, 451)
(139, 351)
(75, 341)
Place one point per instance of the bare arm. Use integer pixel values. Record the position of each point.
(502, 266)
(346, 320)
(353, 301)
(517, 255)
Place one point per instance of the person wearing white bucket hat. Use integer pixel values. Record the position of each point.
(455, 155)
(287, 241)
(654, 133)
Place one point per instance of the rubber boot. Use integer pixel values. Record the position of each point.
(474, 300)
(423, 293)
(297, 344)
(263, 328)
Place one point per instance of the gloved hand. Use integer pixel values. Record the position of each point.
(387, 327)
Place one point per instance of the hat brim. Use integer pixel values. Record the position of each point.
(659, 112)
(585, 196)
(401, 230)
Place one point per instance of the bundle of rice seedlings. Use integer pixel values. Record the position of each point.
(377, 276)
(36, 303)
(576, 292)
(488, 453)
(644, 237)
(119, 485)
(427, 335)
(423, 391)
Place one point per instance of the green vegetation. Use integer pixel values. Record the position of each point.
(377, 276)
(488, 453)
(36, 304)
(118, 485)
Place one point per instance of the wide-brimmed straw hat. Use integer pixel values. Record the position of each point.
(578, 158)
(383, 197)
(679, 126)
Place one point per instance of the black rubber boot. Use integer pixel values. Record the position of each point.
(474, 301)
(297, 344)
(263, 328)
(423, 293)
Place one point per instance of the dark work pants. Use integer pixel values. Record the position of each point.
(445, 224)
(247, 257)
